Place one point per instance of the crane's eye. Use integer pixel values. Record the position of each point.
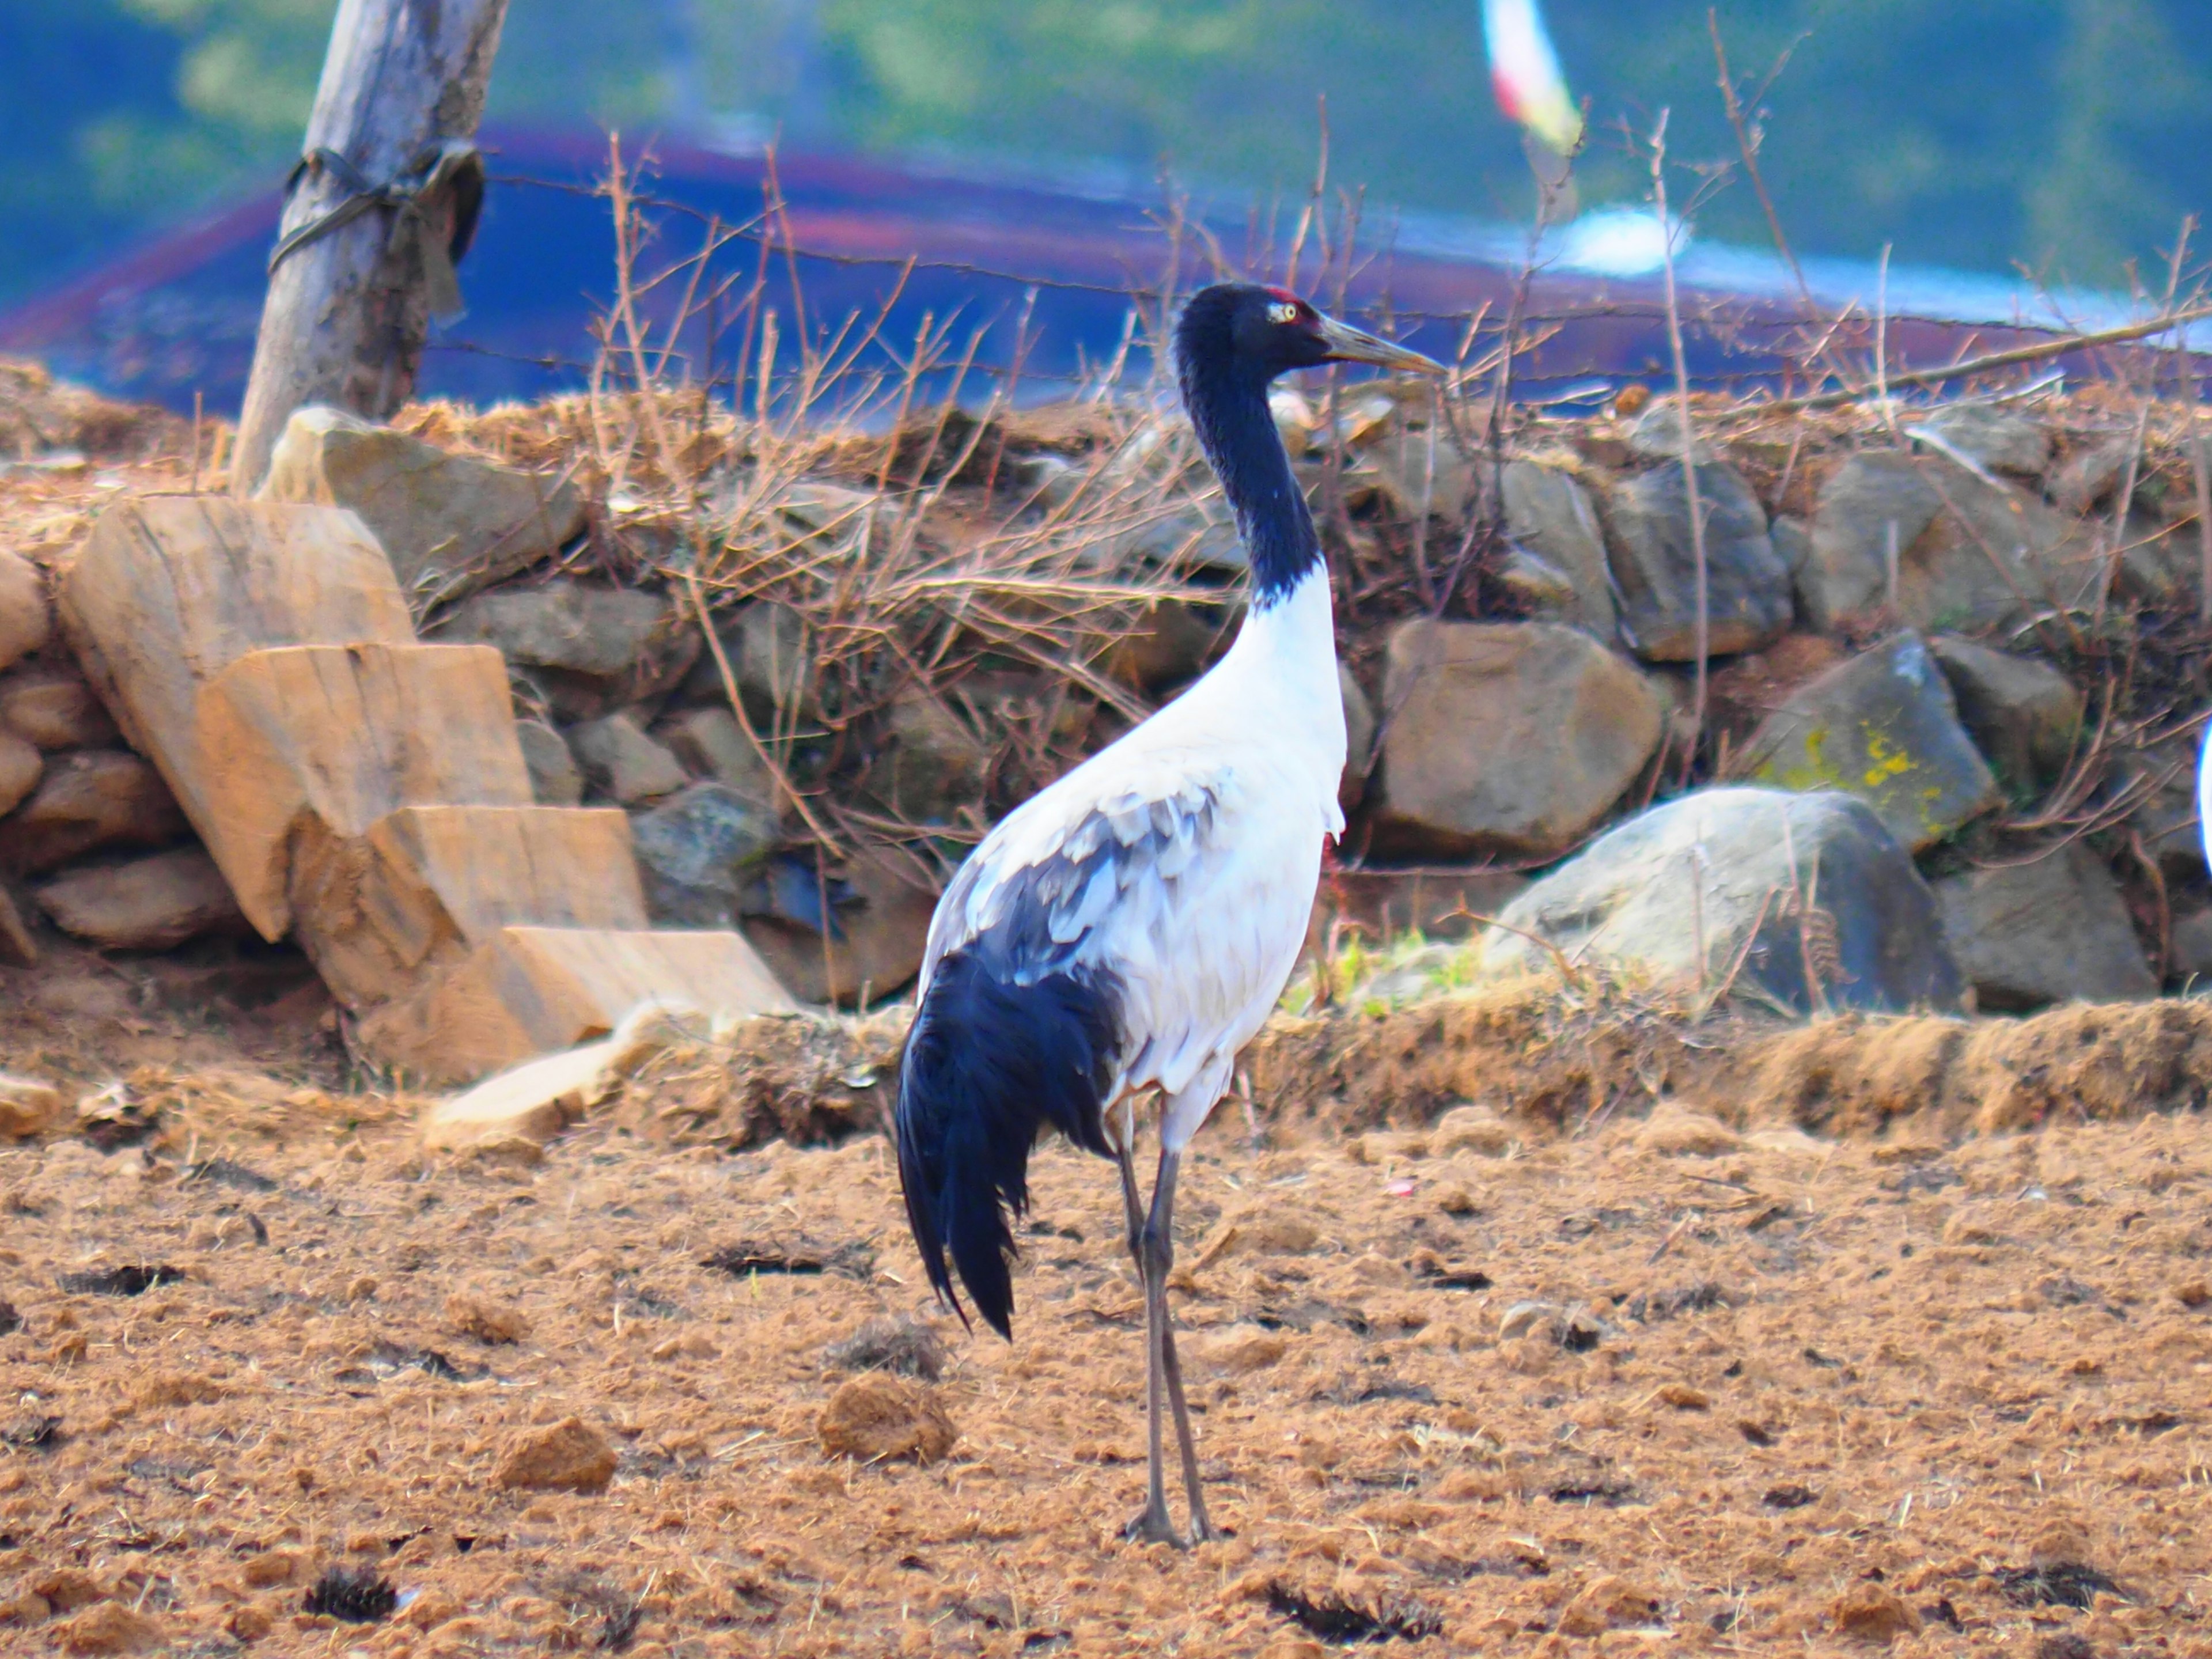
(1283, 311)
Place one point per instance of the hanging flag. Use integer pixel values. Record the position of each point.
(1524, 71)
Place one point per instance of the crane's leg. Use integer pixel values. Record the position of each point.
(1153, 1524)
(1160, 1236)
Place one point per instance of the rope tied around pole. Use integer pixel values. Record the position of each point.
(451, 168)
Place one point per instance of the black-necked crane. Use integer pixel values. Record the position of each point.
(1125, 932)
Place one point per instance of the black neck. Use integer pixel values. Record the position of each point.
(1236, 430)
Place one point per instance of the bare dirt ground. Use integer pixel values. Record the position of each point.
(1773, 1392)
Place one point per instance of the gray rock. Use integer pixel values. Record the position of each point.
(21, 763)
(2163, 775)
(450, 524)
(1167, 647)
(2052, 931)
(1971, 556)
(27, 621)
(772, 660)
(1548, 591)
(820, 507)
(1047, 480)
(693, 852)
(882, 909)
(55, 710)
(1994, 559)
(712, 745)
(1509, 737)
(1647, 520)
(621, 763)
(86, 801)
(1201, 538)
(2189, 955)
(1720, 863)
(555, 779)
(17, 950)
(2024, 716)
(2002, 439)
(1883, 726)
(1358, 740)
(144, 904)
(1865, 503)
(1421, 468)
(1549, 513)
(1656, 434)
(2087, 477)
(930, 763)
(591, 649)
(1793, 544)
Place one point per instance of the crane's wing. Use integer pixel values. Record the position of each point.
(1174, 879)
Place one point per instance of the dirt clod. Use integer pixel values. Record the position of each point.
(570, 1455)
(876, 1416)
(1677, 1132)
(108, 1627)
(1607, 1602)
(1869, 1611)
(486, 1320)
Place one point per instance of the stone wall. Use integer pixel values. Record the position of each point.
(1977, 621)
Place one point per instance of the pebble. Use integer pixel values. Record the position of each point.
(1523, 1318)
(26, 1106)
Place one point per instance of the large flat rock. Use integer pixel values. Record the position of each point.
(169, 591)
(1747, 874)
(527, 991)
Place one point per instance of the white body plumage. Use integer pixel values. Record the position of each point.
(1186, 854)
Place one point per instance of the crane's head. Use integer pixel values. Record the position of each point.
(1256, 332)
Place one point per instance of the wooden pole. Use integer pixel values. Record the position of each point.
(384, 200)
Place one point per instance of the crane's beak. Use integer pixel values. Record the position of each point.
(1347, 345)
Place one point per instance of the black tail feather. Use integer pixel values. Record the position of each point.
(989, 1064)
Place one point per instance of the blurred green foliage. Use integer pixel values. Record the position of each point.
(2065, 135)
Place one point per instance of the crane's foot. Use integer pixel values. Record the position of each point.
(1151, 1525)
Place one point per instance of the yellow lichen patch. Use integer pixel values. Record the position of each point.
(1885, 760)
